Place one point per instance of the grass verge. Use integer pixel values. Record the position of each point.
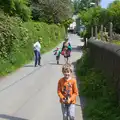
(101, 103)
(17, 39)
(116, 42)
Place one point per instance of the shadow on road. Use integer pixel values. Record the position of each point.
(29, 65)
(77, 48)
(7, 117)
(55, 64)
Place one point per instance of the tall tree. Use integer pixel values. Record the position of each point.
(51, 10)
(114, 15)
(80, 5)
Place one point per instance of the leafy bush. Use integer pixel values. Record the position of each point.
(97, 16)
(16, 8)
(101, 102)
(114, 13)
(90, 18)
(83, 33)
(17, 38)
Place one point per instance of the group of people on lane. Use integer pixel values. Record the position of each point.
(67, 88)
(65, 51)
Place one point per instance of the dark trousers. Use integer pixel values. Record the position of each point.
(58, 57)
(37, 57)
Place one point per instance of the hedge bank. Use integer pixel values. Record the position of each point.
(17, 38)
(106, 57)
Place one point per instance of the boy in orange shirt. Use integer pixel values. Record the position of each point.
(67, 91)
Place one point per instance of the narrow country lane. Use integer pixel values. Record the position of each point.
(31, 93)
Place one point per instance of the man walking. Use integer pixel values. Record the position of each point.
(37, 47)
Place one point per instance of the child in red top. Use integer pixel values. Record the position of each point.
(67, 91)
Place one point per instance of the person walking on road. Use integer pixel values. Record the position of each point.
(37, 47)
(67, 91)
(57, 52)
(66, 49)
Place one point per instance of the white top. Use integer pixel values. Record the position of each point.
(37, 46)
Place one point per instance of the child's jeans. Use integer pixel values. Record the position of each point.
(68, 111)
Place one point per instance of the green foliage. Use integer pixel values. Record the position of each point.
(22, 10)
(90, 18)
(51, 11)
(101, 102)
(116, 42)
(83, 33)
(104, 18)
(67, 22)
(17, 38)
(16, 8)
(114, 13)
(99, 36)
(81, 5)
(97, 16)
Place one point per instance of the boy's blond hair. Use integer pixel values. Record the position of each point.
(66, 66)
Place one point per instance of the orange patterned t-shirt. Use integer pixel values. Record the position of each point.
(67, 87)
